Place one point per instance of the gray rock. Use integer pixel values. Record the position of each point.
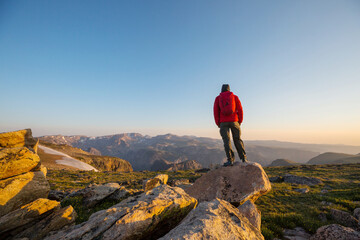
(301, 180)
(302, 190)
(297, 233)
(345, 218)
(335, 232)
(216, 220)
(250, 211)
(57, 195)
(357, 213)
(276, 179)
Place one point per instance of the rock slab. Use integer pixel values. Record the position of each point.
(235, 184)
(21, 138)
(146, 216)
(250, 211)
(216, 220)
(310, 181)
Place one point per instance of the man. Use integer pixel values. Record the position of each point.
(228, 114)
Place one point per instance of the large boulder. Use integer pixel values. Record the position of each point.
(28, 213)
(357, 213)
(310, 181)
(15, 161)
(57, 220)
(235, 184)
(149, 215)
(335, 232)
(22, 189)
(345, 218)
(22, 138)
(216, 220)
(250, 211)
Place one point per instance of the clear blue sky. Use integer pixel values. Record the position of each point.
(155, 67)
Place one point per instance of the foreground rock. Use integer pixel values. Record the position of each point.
(236, 184)
(345, 218)
(214, 220)
(297, 233)
(59, 219)
(22, 189)
(335, 232)
(301, 180)
(149, 215)
(22, 138)
(15, 161)
(27, 214)
(250, 211)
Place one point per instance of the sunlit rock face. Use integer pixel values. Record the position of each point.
(22, 189)
(217, 220)
(15, 161)
(235, 184)
(21, 138)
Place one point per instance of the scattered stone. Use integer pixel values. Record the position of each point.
(302, 190)
(335, 232)
(177, 182)
(323, 191)
(202, 170)
(57, 220)
(297, 233)
(345, 218)
(96, 193)
(217, 220)
(235, 184)
(276, 179)
(28, 213)
(357, 213)
(250, 211)
(57, 195)
(326, 203)
(152, 213)
(154, 182)
(301, 180)
(16, 161)
(22, 189)
(120, 194)
(21, 138)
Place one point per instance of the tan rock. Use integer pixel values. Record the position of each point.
(235, 184)
(57, 220)
(95, 193)
(15, 161)
(28, 213)
(22, 189)
(250, 211)
(335, 232)
(21, 138)
(216, 220)
(154, 182)
(148, 214)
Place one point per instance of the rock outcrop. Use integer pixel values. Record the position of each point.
(25, 213)
(335, 232)
(146, 216)
(250, 211)
(345, 218)
(15, 161)
(235, 184)
(217, 220)
(22, 138)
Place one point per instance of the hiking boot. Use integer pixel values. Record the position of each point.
(228, 164)
(244, 159)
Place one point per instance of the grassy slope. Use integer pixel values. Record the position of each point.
(329, 158)
(281, 208)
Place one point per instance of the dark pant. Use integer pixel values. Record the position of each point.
(225, 134)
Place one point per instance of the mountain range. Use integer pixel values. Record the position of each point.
(148, 153)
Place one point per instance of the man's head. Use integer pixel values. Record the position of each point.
(225, 88)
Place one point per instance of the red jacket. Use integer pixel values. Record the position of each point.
(235, 117)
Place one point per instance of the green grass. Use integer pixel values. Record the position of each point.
(281, 208)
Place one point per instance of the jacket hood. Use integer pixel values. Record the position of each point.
(227, 93)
